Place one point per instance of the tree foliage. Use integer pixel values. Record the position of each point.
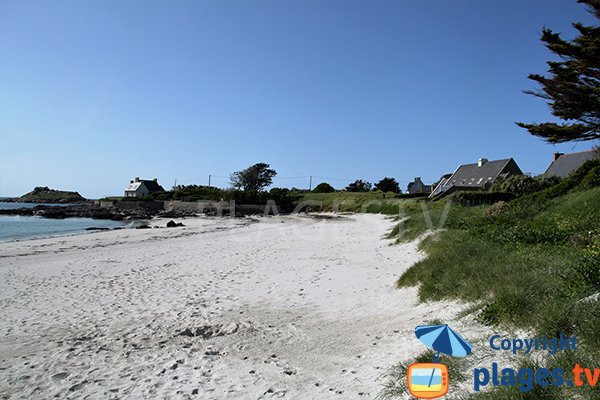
(359, 186)
(573, 84)
(324, 187)
(388, 185)
(254, 178)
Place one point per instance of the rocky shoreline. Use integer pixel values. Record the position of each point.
(116, 213)
(82, 211)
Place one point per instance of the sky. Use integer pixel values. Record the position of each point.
(94, 93)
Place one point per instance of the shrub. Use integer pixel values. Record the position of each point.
(592, 179)
(192, 193)
(496, 208)
(479, 198)
(323, 187)
(520, 185)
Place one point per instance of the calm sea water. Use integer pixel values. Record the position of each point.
(13, 227)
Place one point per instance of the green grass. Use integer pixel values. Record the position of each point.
(371, 202)
(526, 265)
(529, 273)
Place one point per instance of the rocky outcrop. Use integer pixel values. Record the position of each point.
(43, 194)
(82, 211)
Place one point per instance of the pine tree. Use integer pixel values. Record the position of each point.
(573, 84)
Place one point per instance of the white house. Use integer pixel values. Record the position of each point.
(141, 187)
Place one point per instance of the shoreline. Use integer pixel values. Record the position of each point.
(16, 228)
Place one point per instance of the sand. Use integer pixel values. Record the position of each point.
(248, 308)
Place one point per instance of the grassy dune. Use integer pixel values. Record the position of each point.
(532, 263)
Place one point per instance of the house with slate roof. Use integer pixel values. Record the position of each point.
(142, 187)
(477, 176)
(564, 164)
(417, 186)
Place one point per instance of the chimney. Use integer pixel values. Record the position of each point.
(481, 161)
(137, 178)
(557, 155)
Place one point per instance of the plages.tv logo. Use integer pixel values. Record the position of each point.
(430, 380)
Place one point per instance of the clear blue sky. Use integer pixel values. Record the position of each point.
(94, 93)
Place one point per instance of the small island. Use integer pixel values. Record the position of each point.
(43, 194)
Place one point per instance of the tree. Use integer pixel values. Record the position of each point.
(573, 84)
(254, 178)
(359, 186)
(388, 185)
(324, 187)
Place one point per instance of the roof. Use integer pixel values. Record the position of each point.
(133, 186)
(151, 185)
(473, 176)
(567, 163)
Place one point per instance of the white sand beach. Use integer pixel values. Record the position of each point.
(273, 307)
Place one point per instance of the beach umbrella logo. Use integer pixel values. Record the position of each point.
(430, 380)
(443, 339)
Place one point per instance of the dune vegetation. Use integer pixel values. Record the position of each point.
(532, 263)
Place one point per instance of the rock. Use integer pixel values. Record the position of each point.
(84, 210)
(143, 227)
(173, 224)
(96, 228)
(53, 212)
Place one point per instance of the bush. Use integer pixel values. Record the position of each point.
(592, 179)
(520, 185)
(192, 193)
(323, 187)
(479, 198)
(496, 208)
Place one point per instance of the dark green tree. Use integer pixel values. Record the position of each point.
(572, 87)
(324, 187)
(359, 186)
(388, 185)
(254, 178)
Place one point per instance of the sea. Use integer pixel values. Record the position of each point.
(17, 227)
